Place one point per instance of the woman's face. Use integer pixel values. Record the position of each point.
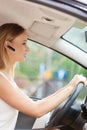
(21, 48)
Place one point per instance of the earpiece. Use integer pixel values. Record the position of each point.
(10, 47)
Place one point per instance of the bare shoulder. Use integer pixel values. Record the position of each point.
(5, 86)
(6, 90)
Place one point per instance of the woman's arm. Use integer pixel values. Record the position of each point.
(60, 95)
(17, 99)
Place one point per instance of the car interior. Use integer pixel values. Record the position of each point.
(58, 48)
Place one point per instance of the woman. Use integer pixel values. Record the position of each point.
(13, 48)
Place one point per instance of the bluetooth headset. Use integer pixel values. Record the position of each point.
(11, 48)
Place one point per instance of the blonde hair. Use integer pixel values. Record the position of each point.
(8, 31)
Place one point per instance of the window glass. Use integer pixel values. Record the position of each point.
(77, 37)
(82, 1)
(45, 71)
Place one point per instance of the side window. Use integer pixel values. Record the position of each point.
(45, 71)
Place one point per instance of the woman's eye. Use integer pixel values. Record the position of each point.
(24, 43)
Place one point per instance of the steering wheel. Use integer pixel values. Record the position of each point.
(59, 113)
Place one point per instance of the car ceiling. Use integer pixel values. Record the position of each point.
(45, 24)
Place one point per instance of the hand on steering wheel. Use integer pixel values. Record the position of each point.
(58, 115)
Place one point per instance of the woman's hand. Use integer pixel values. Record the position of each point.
(78, 79)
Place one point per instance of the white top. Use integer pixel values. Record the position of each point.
(8, 115)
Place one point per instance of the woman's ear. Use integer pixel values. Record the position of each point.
(7, 44)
